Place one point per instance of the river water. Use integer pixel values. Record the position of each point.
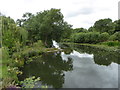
(75, 67)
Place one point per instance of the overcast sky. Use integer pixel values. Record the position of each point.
(79, 13)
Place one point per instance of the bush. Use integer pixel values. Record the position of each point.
(91, 37)
(29, 82)
(5, 55)
(104, 37)
(28, 52)
(111, 43)
(38, 44)
(66, 40)
(115, 36)
(8, 84)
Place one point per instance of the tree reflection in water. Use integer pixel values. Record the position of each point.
(101, 57)
(49, 67)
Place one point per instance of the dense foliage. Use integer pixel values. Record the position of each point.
(27, 38)
(90, 37)
(13, 37)
(46, 26)
(103, 30)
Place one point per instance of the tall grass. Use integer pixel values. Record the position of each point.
(30, 51)
(111, 43)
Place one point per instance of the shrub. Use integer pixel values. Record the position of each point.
(111, 43)
(8, 83)
(115, 36)
(38, 44)
(91, 37)
(66, 40)
(29, 82)
(29, 52)
(5, 55)
(104, 37)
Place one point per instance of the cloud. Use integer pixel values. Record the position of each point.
(119, 10)
(79, 13)
(83, 11)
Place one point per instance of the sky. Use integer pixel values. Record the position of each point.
(79, 13)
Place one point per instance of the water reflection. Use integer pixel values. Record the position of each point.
(101, 57)
(50, 68)
(90, 71)
(76, 54)
(76, 67)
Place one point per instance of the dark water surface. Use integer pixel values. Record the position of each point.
(76, 67)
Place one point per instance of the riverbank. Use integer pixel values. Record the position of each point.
(29, 53)
(97, 46)
(9, 66)
(79, 61)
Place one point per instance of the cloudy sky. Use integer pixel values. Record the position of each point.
(79, 13)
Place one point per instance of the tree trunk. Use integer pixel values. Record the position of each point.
(46, 42)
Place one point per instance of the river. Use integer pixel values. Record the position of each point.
(76, 67)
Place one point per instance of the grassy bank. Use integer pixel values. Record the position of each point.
(9, 65)
(99, 46)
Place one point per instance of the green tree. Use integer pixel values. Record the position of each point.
(103, 25)
(117, 25)
(90, 37)
(13, 36)
(104, 37)
(91, 29)
(78, 30)
(45, 26)
(67, 31)
(115, 36)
